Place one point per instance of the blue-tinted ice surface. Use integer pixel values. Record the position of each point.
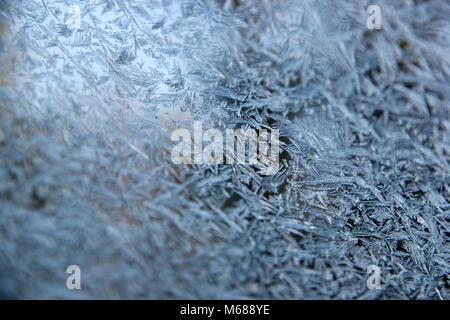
(85, 169)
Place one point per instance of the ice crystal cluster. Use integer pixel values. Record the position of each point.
(90, 91)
